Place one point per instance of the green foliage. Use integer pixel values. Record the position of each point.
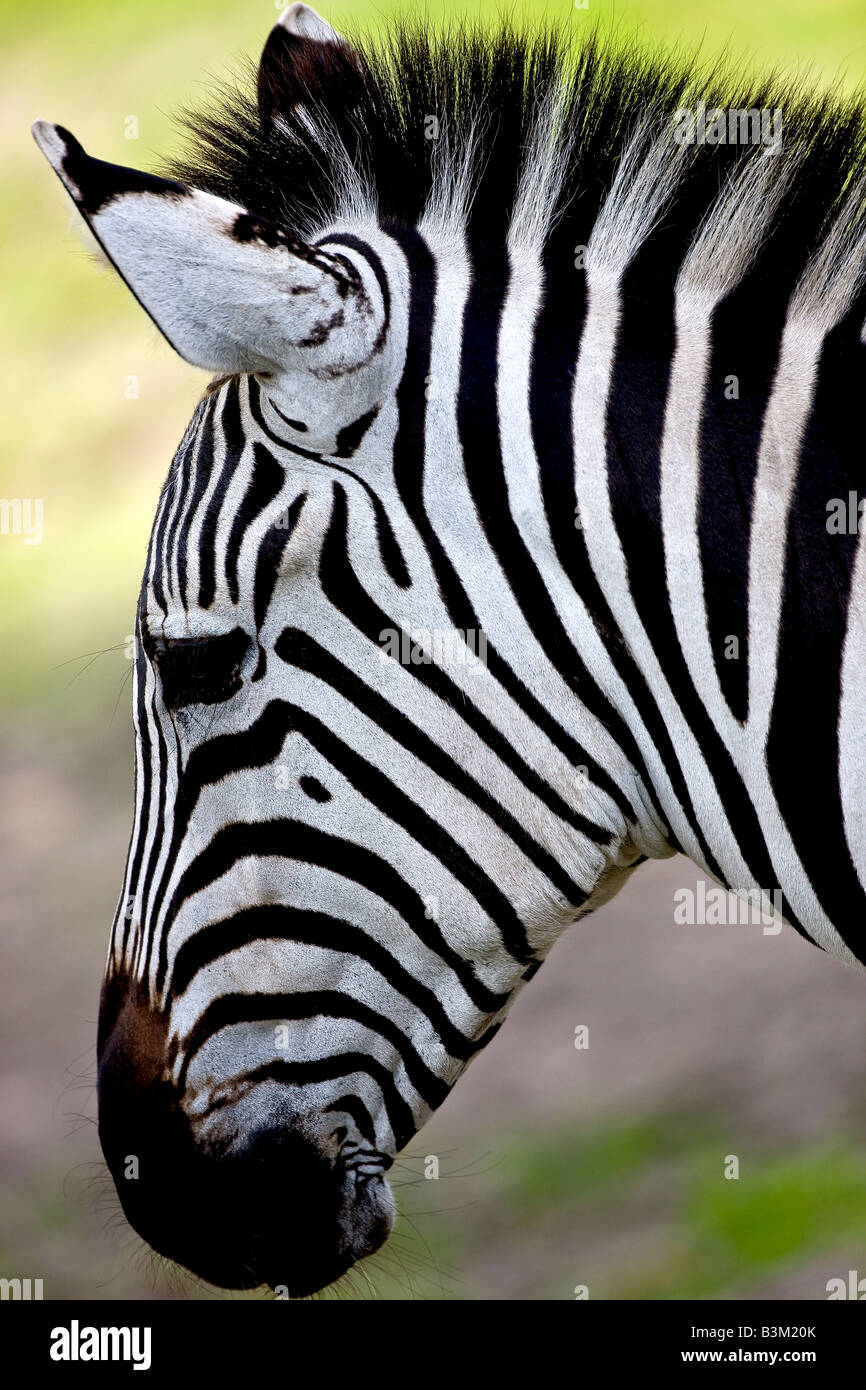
(634, 1210)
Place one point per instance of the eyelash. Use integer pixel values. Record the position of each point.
(199, 670)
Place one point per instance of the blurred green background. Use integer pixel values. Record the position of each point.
(557, 1167)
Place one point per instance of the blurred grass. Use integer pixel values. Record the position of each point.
(708, 1237)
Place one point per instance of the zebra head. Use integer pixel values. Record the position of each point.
(368, 798)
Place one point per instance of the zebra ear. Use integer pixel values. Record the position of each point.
(302, 22)
(304, 60)
(230, 291)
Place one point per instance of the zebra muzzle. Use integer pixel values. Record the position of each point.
(252, 1195)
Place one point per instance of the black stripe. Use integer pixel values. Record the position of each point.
(730, 438)
(635, 427)
(229, 1010)
(349, 438)
(275, 922)
(380, 791)
(142, 784)
(234, 441)
(203, 464)
(478, 428)
(151, 901)
(302, 651)
(342, 588)
(803, 741)
(270, 559)
(295, 840)
(163, 584)
(389, 549)
(373, 260)
(558, 332)
(355, 1107)
(400, 1116)
(265, 484)
(409, 451)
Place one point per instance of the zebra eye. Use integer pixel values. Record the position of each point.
(199, 670)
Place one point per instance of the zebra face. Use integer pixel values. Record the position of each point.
(359, 826)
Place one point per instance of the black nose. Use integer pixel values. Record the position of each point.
(269, 1210)
(261, 1201)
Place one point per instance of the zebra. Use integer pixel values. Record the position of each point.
(496, 560)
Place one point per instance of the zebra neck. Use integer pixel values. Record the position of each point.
(687, 495)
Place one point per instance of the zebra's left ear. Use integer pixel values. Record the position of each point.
(231, 291)
(304, 60)
(302, 22)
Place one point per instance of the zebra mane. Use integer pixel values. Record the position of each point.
(542, 139)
